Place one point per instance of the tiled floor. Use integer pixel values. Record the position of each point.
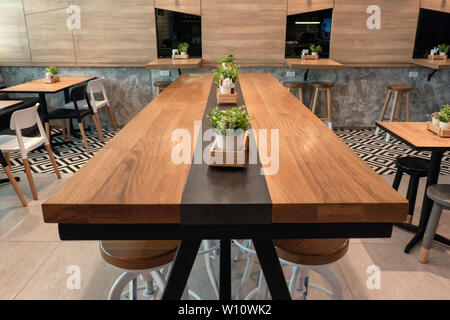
(35, 262)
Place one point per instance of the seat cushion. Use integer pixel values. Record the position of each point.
(138, 255)
(322, 85)
(413, 166)
(294, 84)
(399, 87)
(9, 143)
(311, 251)
(440, 193)
(67, 113)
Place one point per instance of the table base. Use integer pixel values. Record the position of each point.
(419, 233)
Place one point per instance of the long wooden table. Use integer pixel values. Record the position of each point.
(132, 190)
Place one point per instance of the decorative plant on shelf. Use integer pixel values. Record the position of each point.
(226, 76)
(231, 122)
(315, 49)
(183, 47)
(444, 117)
(443, 48)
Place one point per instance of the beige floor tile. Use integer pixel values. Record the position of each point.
(19, 262)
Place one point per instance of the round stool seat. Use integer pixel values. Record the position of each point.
(294, 84)
(399, 87)
(440, 193)
(138, 255)
(311, 251)
(322, 85)
(162, 84)
(413, 166)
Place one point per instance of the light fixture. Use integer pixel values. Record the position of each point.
(307, 22)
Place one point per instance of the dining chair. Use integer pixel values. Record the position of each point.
(98, 99)
(7, 168)
(78, 98)
(23, 119)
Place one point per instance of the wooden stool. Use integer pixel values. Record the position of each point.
(416, 168)
(398, 90)
(143, 258)
(325, 87)
(161, 85)
(440, 194)
(295, 85)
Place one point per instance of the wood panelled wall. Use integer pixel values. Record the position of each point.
(115, 32)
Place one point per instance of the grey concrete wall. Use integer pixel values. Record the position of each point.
(358, 96)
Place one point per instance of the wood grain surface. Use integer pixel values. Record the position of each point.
(432, 64)
(324, 64)
(169, 63)
(9, 103)
(40, 86)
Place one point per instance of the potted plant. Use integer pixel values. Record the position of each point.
(229, 124)
(444, 117)
(443, 49)
(315, 50)
(435, 118)
(226, 77)
(51, 74)
(228, 61)
(183, 48)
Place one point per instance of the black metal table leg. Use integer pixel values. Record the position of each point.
(225, 270)
(181, 269)
(270, 264)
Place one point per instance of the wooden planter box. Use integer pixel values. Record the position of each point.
(180, 56)
(227, 98)
(437, 57)
(239, 157)
(52, 79)
(444, 133)
(310, 57)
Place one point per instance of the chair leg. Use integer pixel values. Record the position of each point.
(111, 116)
(336, 288)
(63, 128)
(293, 281)
(47, 130)
(391, 118)
(397, 179)
(248, 270)
(120, 284)
(26, 164)
(209, 268)
(7, 158)
(313, 104)
(383, 111)
(69, 125)
(400, 105)
(300, 94)
(329, 109)
(52, 159)
(83, 135)
(97, 126)
(13, 182)
(407, 106)
(413, 186)
(430, 231)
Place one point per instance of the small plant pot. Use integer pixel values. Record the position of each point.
(442, 53)
(183, 53)
(230, 142)
(225, 90)
(174, 51)
(314, 53)
(444, 125)
(435, 120)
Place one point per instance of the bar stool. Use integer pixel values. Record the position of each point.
(303, 255)
(324, 87)
(398, 90)
(295, 85)
(149, 259)
(416, 168)
(440, 194)
(161, 85)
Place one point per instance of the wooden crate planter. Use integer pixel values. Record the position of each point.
(227, 98)
(180, 56)
(444, 133)
(53, 79)
(239, 157)
(310, 57)
(437, 57)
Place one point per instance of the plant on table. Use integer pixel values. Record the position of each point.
(228, 60)
(315, 49)
(51, 74)
(443, 49)
(231, 122)
(444, 117)
(183, 48)
(226, 76)
(53, 70)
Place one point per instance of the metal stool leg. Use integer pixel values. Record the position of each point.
(397, 179)
(430, 231)
(413, 186)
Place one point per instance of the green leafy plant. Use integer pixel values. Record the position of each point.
(183, 47)
(231, 71)
(234, 118)
(315, 48)
(229, 59)
(444, 113)
(52, 70)
(443, 47)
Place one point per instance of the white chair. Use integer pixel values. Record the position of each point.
(23, 119)
(98, 99)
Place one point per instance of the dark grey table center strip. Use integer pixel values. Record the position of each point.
(215, 195)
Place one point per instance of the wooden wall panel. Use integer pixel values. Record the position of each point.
(13, 33)
(353, 42)
(185, 6)
(438, 5)
(50, 39)
(300, 6)
(33, 6)
(253, 30)
(114, 31)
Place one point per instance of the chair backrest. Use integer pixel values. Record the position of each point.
(25, 118)
(96, 86)
(79, 94)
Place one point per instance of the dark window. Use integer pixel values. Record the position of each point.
(173, 28)
(307, 28)
(432, 29)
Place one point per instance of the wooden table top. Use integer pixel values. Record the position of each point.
(433, 64)
(416, 135)
(38, 86)
(324, 64)
(9, 103)
(133, 180)
(169, 63)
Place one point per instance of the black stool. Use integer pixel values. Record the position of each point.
(416, 168)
